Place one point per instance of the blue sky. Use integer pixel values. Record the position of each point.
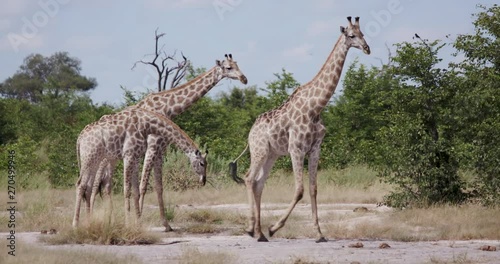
(108, 36)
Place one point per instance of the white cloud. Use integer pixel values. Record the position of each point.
(301, 53)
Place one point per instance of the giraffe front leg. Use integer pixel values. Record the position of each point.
(313, 188)
(158, 185)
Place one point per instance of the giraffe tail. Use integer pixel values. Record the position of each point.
(233, 168)
(99, 189)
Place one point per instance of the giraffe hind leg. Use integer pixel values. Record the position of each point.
(250, 183)
(149, 163)
(297, 162)
(128, 169)
(257, 188)
(81, 188)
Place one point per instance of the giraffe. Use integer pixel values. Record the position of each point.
(171, 103)
(124, 136)
(295, 128)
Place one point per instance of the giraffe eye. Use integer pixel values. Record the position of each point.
(229, 68)
(202, 164)
(352, 36)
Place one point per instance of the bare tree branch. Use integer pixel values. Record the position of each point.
(160, 62)
(180, 71)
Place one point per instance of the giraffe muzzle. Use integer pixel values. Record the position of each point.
(366, 50)
(243, 79)
(203, 180)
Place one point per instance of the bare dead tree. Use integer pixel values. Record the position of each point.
(160, 62)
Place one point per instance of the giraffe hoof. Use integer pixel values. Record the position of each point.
(321, 240)
(250, 233)
(262, 238)
(168, 229)
(271, 232)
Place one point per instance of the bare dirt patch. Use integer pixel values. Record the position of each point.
(293, 247)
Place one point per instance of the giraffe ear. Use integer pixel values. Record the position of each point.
(217, 62)
(342, 30)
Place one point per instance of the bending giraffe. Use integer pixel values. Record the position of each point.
(295, 128)
(171, 103)
(124, 136)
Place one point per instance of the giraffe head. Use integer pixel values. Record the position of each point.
(354, 36)
(229, 68)
(199, 164)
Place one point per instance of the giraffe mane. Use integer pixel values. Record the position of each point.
(292, 96)
(203, 75)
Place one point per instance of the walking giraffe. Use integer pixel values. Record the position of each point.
(295, 128)
(124, 136)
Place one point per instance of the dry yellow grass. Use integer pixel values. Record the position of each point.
(452, 222)
(104, 233)
(437, 223)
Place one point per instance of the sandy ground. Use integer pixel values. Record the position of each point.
(244, 249)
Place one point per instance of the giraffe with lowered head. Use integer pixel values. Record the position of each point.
(295, 128)
(124, 136)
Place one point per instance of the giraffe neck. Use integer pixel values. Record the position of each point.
(169, 130)
(316, 93)
(173, 102)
